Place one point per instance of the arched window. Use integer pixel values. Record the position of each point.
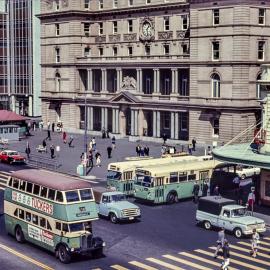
(258, 86)
(57, 82)
(215, 83)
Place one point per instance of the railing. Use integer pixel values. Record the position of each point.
(45, 162)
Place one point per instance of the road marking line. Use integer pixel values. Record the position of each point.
(26, 258)
(248, 251)
(266, 238)
(202, 259)
(249, 245)
(167, 265)
(118, 267)
(142, 265)
(232, 260)
(264, 243)
(247, 257)
(183, 261)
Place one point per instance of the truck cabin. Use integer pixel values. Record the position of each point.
(109, 197)
(234, 211)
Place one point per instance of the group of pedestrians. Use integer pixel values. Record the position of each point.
(142, 150)
(196, 190)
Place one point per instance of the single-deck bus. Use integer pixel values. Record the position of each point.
(170, 182)
(120, 175)
(53, 211)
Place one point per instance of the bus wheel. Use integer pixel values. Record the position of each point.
(113, 218)
(63, 254)
(97, 253)
(171, 198)
(19, 234)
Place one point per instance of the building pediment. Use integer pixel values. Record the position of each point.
(124, 97)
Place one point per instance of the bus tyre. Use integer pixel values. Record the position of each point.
(171, 198)
(113, 218)
(237, 232)
(97, 253)
(19, 234)
(63, 254)
(207, 225)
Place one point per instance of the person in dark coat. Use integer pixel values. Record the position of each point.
(52, 150)
(90, 159)
(53, 125)
(204, 189)
(226, 256)
(146, 151)
(138, 150)
(216, 191)
(195, 192)
(193, 144)
(70, 141)
(164, 137)
(109, 151)
(28, 151)
(48, 135)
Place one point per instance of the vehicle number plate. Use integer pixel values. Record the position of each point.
(131, 218)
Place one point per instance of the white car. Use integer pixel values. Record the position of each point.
(247, 171)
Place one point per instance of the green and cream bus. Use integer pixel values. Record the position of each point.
(120, 175)
(53, 211)
(167, 183)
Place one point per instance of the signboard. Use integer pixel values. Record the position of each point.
(33, 202)
(40, 235)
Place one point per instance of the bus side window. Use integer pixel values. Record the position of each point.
(21, 214)
(29, 187)
(65, 227)
(182, 176)
(28, 216)
(16, 212)
(10, 182)
(36, 190)
(59, 196)
(173, 177)
(43, 192)
(192, 177)
(16, 183)
(42, 222)
(22, 185)
(49, 226)
(35, 219)
(58, 226)
(51, 194)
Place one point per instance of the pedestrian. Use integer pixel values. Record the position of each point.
(103, 133)
(138, 150)
(141, 151)
(216, 191)
(190, 147)
(251, 200)
(205, 189)
(48, 135)
(255, 239)
(113, 142)
(98, 159)
(53, 125)
(109, 151)
(226, 255)
(107, 134)
(52, 150)
(94, 144)
(28, 150)
(220, 241)
(236, 181)
(164, 137)
(163, 150)
(193, 144)
(195, 192)
(40, 125)
(64, 137)
(90, 159)
(44, 144)
(146, 151)
(70, 141)
(90, 148)
(82, 157)
(48, 125)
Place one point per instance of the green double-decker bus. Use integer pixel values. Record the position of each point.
(167, 183)
(53, 211)
(120, 175)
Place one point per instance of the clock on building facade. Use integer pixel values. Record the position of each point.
(147, 29)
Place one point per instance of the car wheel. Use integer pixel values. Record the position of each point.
(243, 176)
(113, 218)
(63, 254)
(207, 225)
(19, 234)
(97, 253)
(237, 232)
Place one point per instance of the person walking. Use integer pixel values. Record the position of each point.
(98, 159)
(49, 135)
(193, 144)
(64, 137)
(90, 159)
(52, 150)
(94, 144)
(109, 151)
(44, 144)
(103, 133)
(251, 200)
(48, 125)
(220, 241)
(138, 150)
(70, 141)
(53, 125)
(113, 142)
(146, 151)
(28, 150)
(195, 192)
(204, 189)
(255, 239)
(190, 147)
(226, 255)
(164, 137)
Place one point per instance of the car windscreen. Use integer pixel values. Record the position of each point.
(118, 197)
(113, 175)
(80, 226)
(241, 212)
(13, 153)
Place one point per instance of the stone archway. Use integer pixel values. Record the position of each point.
(125, 120)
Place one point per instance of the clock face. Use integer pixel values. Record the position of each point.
(147, 29)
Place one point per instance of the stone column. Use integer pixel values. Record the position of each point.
(132, 132)
(176, 125)
(102, 118)
(113, 121)
(158, 81)
(136, 122)
(90, 118)
(89, 80)
(13, 103)
(176, 82)
(154, 124)
(173, 80)
(117, 120)
(172, 125)
(139, 79)
(104, 80)
(119, 78)
(30, 105)
(155, 80)
(106, 118)
(158, 124)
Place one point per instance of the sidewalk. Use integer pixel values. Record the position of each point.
(266, 218)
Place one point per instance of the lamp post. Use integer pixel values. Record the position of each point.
(85, 136)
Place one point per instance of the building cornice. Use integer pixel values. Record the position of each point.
(219, 3)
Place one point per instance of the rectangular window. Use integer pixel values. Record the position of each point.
(49, 227)
(57, 5)
(59, 196)
(261, 18)
(100, 51)
(72, 196)
(216, 126)
(86, 28)
(43, 192)
(166, 21)
(100, 4)
(87, 4)
(215, 14)
(185, 49)
(166, 48)
(185, 23)
(215, 50)
(57, 55)
(191, 177)
(28, 216)
(57, 29)
(101, 28)
(42, 222)
(147, 50)
(22, 185)
(115, 3)
(130, 3)
(29, 187)
(148, 1)
(115, 29)
(87, 52)
(182, 176)
(21, 214)
(130, 51)
(261, 47)
(58, 226)
(86, 194)
(115, 51)
(36, 190)
(16, 183)
(173, 177)
(35, 219)
(130, 26)
(51, 194)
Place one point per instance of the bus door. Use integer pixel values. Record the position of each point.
(159, 189)
(128, 182)
(203, 176)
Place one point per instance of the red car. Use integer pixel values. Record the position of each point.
(11, 157)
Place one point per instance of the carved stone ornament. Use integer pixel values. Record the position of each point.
(114, 38)
(130, 37)
(165, 35)
(181, 34)
(49, 4)
(64, 3)
(147, 29)
(128, 83)
(100, 39)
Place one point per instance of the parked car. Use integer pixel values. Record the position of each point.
(11, 157)
(215, 211)
(114, 205)
(247, 171)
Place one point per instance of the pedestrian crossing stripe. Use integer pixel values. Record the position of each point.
(142, 265)
(165, 264)
(248, 251)
(197, 266)
(118, 267)
(264, 243)
(259, 247)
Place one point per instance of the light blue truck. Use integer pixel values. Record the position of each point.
(114, 205)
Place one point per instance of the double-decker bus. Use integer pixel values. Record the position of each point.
(53, 211)
(120, 175)
(168, 183)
